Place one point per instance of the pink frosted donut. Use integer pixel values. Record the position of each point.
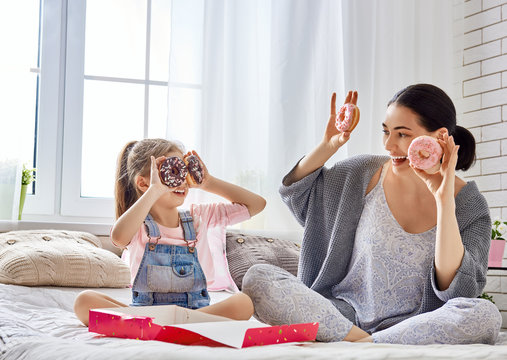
(425, 153)
(350, 117)
(173, 171)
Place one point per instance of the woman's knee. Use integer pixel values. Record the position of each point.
(485, 310)
(262, 274)
(476, 306)
(478, 311)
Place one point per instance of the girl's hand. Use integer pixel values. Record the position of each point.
(155, 179)
(333, 136)
(441, 184)
(205, 174)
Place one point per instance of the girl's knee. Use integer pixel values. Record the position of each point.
(86, 297)
(82, 305)
(243, 306)
(85, 301)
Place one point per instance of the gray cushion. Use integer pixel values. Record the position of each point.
(244, 251)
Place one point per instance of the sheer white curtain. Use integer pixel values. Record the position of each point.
(270, 66)
(269, 69)
(389, 44)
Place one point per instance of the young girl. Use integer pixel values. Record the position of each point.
(390, 254)
(170, 258)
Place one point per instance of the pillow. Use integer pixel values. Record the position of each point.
(244, 251)
(59, 258)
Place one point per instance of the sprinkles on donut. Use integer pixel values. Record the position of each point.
(173, 171)
(425, 153)
(195, 169)
(347, 118)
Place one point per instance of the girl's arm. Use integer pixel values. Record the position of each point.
(234, 193)
(332, 141)
(449, 249)
(131, 220)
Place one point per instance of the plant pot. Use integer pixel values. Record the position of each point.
(22, 200)
(496, 253)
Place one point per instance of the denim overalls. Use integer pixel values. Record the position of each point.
(170, 274)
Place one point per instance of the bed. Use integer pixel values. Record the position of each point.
(38, 322)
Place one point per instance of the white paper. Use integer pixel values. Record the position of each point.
(226, 332)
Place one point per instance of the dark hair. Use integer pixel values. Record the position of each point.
(134, 160)
(436, 110)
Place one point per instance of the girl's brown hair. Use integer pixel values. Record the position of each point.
(134, 160)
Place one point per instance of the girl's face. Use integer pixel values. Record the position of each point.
(400, 128)
(176, 195)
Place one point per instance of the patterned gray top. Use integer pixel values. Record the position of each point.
(329, 203)
(387, 269)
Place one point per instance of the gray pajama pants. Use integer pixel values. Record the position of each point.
(281, 298)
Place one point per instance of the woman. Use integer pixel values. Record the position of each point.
(390, 253)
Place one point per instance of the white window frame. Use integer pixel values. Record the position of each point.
(57, 195)
(72, 204)
(44, 201)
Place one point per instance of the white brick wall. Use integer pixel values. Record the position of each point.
(484, 106)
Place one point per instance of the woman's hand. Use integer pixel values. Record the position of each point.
(441, 184)
(333, 136)
(333, 139)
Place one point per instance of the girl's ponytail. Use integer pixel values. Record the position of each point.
(124, 191)
(134, 160)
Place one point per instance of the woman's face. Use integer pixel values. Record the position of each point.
(401, 126)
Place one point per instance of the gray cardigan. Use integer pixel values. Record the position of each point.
(328, 204)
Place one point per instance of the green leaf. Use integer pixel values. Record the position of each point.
(487, 297)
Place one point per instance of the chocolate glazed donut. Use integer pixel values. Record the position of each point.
(195, 170)
(173, 171)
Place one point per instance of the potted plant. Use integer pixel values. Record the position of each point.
(28, 175)
(486, 296)
(498, 230)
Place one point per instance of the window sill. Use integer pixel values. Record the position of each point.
(94, 228)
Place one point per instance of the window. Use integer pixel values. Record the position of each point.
(30, 93)
(111, 71)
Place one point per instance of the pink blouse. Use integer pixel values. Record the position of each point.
(210, 221)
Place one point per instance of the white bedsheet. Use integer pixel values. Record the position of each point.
(38, 323)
